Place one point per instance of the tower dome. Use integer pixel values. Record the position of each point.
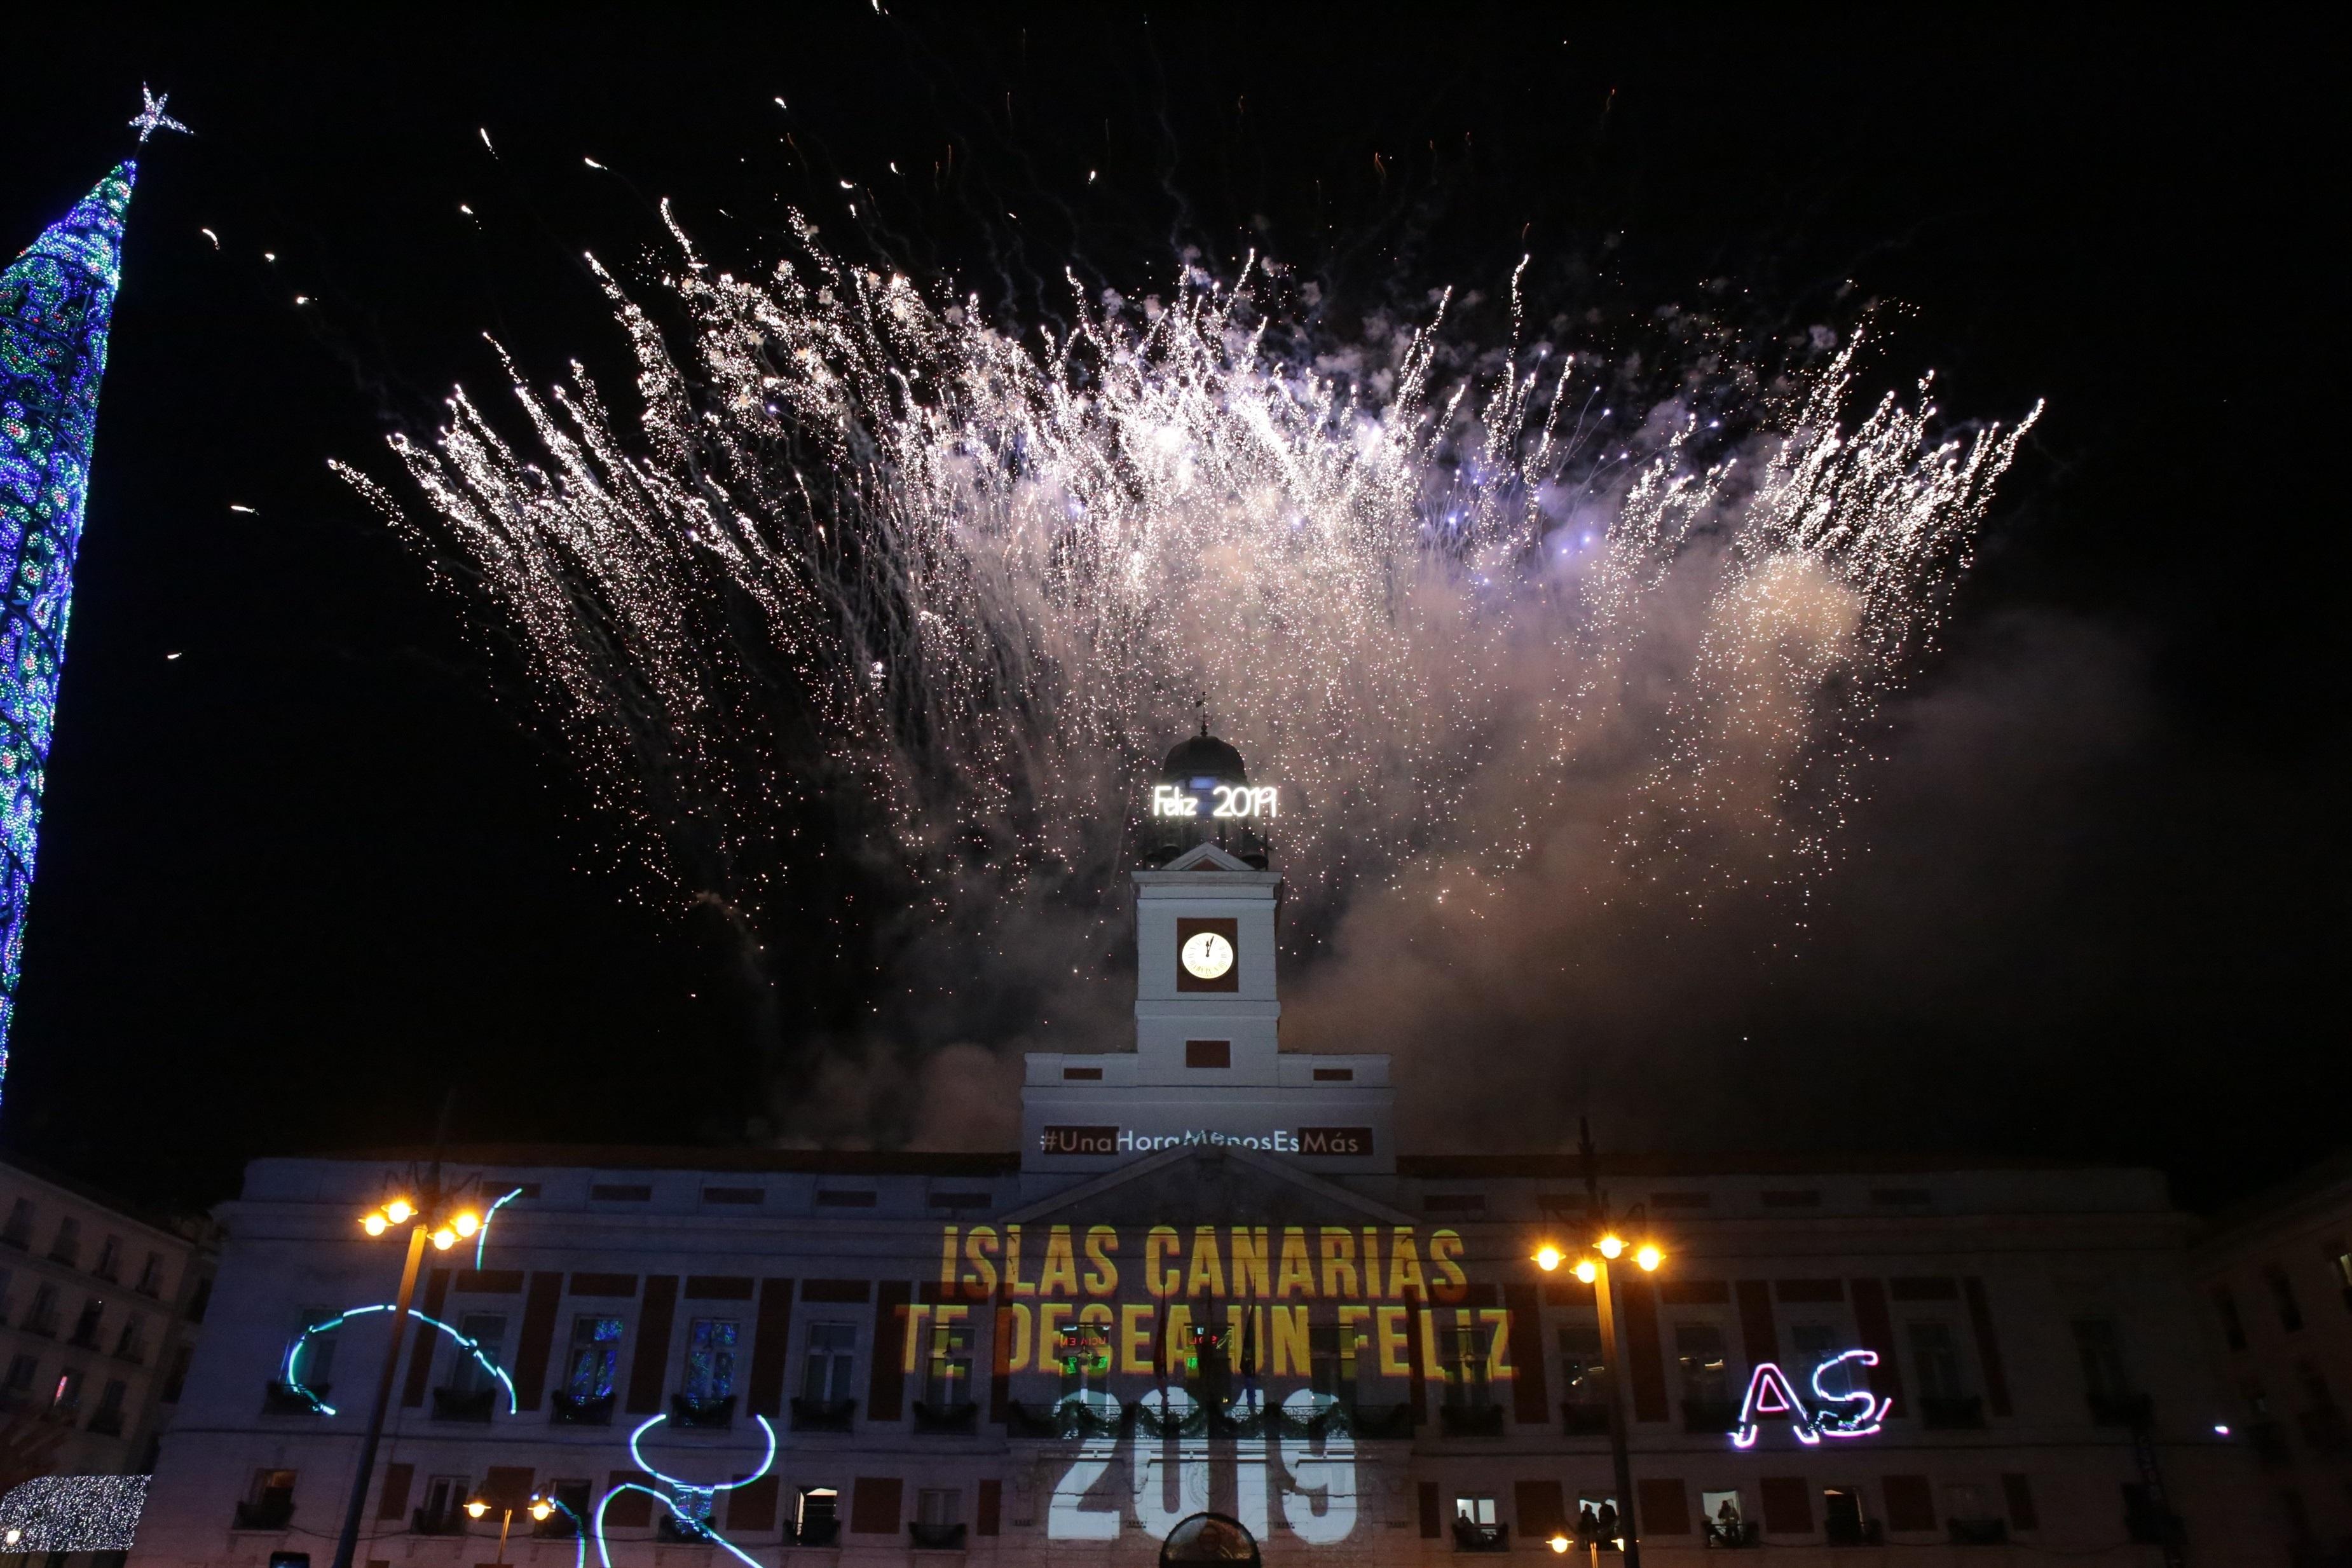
(1194, 800)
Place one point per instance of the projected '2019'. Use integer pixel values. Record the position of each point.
(1297, 1473)
(1225, 800)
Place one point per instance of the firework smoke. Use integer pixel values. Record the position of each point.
(872, 565)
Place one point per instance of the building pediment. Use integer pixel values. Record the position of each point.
(1210, 1184)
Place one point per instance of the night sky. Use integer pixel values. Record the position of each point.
(300, 880)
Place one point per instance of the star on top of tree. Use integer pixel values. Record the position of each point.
(151, 119)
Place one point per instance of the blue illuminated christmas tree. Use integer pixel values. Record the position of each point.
(56, 301)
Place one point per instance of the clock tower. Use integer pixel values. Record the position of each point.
(1207, 1066)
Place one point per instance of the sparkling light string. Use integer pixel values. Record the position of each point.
(74, 1513)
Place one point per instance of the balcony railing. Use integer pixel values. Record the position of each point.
(1853, 1532)
(813, 1532)
(1470, 1420)
(954, 1419)
(823, 1415)
(1469, 1537)
(1977, 1532)
(582, 1409)
(84, 1337)
(22, 1240)
(936, 1537)
(1382, 1422)
(464, 1404)
(1951, 1412)
(106, 1423)
(1578, 1420)
(285, 1399)
(716, 1414)
(42, 1323)
(269, 1514)
(2120, 1410)
(1709, 1416)
(1732, 1536)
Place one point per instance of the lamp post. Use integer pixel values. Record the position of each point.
(476, 1508)
(1606, 1246)
(437, 1216)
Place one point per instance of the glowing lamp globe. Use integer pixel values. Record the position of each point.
(1548, 1259)
(477, 1508)
(1648, 1258)
(399, 1209)
(1610, 1247)
(465, 1224)
(540, 1509)
(1558, 1544)
(1587, 1272)
(375, 1224)
(445, 1238)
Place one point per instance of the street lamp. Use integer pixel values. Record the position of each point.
(1606, 1247)
(433, 1214)
(479, 1507)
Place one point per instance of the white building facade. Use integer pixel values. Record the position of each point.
(1208, 1312)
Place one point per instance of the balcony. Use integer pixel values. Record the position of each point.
(953, 1418)
(582, 1409)
(2325, 1430)
(22, 1240)
(1977, 1532)
(275, 1511)
(1853, 1532)
(936, 1537)
(1709, 1417)
(1734, 1535)
(2120, 1410)
(449, 1521)
(713, 1415)
(285, 1399)
(671, 1530)
(1470, 1420)
(131, 1354)
(1951, 1412)
(106, 1423)
(823, 1415)
(1582, 1420)
(813, 1532)
(42, 1323)
(470, 1404)
(85, 1335)
(558, 1526)
(65, 1253)
(1469, 1537)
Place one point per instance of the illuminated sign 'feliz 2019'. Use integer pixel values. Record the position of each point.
(1225, 801)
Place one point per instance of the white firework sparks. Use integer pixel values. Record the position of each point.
(985, 578)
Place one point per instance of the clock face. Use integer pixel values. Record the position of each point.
(1207, 956)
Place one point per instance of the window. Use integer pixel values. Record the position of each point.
(1474, 1520)
(66, 1247)
(199, 1299)
(108, 1417)
(1815, 1343)
(445, 1498)
(22, 1370)
(1936, 1357)
(178, 1379)
(4, 1295)
(573, 1500)
(711, 1360)
(817, 1515)
(1334, 1356)
(110, 1259)
(314, 1367)
(66, 1395)
(1083, 1353)
(2101, 1358)
(948, 1375)
(1719, 1512)
(1463, 1353)
(1580, 1371)
(2233, 1327)
(1841, 1516)
(1698, 1348)
(2258, 1401)
(938, 1508)
(130, 1344)
(2290, 1314)
(18, 1231)
(2314, 1385)
(151, 1275)
(2343, 1259)
(595, 1351)
(86, 1326)
(1208, 1054)
(466, 1373)
(1596, 1516)
(832, 1363)
(272, 1497)
(43, 1318)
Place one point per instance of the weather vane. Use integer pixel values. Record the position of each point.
(151, 119)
